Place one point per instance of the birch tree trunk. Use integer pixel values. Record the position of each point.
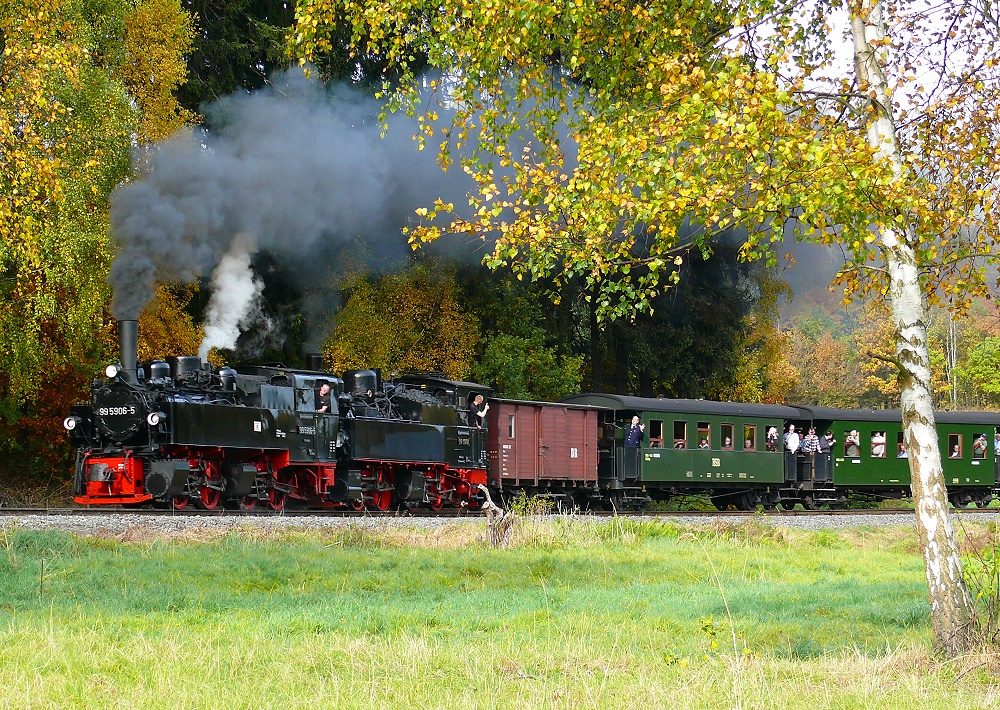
(952, 611)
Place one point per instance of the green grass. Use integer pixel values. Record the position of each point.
(575, 614)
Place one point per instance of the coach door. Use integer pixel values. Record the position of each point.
(628, 459)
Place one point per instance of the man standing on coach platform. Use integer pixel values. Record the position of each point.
(633, 437)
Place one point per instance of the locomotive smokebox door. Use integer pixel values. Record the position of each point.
(167, 478)
(121, 410)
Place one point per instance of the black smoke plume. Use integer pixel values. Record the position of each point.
(294, 169)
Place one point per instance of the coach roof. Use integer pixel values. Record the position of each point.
(894, 415)
(686, 406)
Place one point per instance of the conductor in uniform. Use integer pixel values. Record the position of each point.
(633, 440)
(633, 437)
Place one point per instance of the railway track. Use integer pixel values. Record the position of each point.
(460, 513)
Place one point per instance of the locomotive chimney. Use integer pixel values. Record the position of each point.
(128, 342)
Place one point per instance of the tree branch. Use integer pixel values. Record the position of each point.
(903, 372)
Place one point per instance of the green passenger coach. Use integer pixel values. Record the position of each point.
(690, 447)
(870, 454)
(737, 454)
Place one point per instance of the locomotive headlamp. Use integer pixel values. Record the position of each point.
(154, 418)
(69, 423)
(112, 371)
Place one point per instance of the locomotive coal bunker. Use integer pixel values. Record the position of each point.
(181, 432)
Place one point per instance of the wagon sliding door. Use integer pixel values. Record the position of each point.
(565, 447)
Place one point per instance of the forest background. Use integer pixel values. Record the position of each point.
(86, 86)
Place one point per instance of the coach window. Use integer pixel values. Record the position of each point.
(749, 437)
(704, 435)
(852, 444)
(900, 446)
(680, 435)
(878, 444)
(954, 446)
(727, 437)
(979, 446)
(510, 426)
(656, 433)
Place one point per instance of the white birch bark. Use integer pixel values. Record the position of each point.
(952, 611)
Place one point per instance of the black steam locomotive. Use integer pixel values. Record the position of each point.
(180, 432)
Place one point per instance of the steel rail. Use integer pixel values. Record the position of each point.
(461, 513)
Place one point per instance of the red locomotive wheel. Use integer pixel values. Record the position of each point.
(248, 503)
(436, 504)
(381, 500)
(276, 499)
(358, 504)
(181, 502)
(210, 498)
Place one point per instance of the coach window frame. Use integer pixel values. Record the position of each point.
(704, 432)
(656, 433)
(955, 438)
(872, 444)
(732, 437)
(680, 427)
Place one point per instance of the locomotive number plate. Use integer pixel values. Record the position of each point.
(116, 411)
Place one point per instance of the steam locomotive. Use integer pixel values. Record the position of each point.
(179, 432)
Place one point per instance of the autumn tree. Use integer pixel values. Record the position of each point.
(71, 110)
(596, 128)
(405, 321)
(165, 327)
(982, 371)
(765, 369)
(527, 350)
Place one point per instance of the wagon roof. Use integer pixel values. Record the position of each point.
(686, 406)
(564, 405)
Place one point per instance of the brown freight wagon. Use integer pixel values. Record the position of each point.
(542, 447)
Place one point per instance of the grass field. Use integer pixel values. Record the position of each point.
(574, 614)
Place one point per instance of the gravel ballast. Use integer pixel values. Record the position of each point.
(118, 523)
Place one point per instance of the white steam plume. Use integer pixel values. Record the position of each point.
(234, 291)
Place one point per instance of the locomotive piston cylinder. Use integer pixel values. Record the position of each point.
(410, 485)
(167, 478)
(240, 479)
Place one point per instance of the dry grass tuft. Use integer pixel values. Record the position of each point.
(974, 537)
